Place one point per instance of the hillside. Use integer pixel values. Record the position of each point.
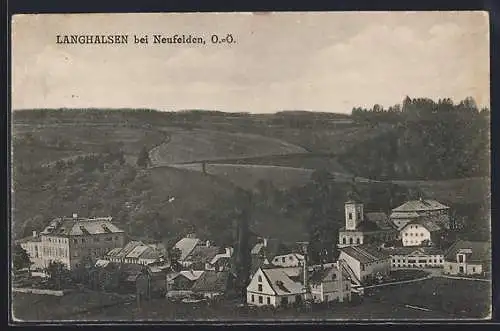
(197, 145)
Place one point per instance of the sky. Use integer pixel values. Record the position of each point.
(328, 62)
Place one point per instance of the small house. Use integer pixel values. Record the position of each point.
(212, 284)
(273, 287)
(365, 261)
(468, 258)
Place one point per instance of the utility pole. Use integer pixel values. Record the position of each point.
(307, 290)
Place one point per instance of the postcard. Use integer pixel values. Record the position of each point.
(249, 167)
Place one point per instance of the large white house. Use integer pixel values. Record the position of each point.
(421, 209)
(365, 261)
(415, 257)
(273, 287)
(70, 240)
(418, 232)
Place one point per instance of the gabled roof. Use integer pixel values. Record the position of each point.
(212, 281)
(191, 274)
(281, 282)
(319, 276)
(476, 251)
(202, 254)
(134, 249)
(186, 245)
(420, 205)
(365, 253)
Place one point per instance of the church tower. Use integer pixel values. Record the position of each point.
(353, 214)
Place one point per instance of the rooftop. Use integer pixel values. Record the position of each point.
(186, 246)
(211, 281)
(413, 251)
(66, 226)
(365, 253)
(476, 251)
(420, 205)
(281, 282)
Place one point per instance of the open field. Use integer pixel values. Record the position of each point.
(453, 191)
(51, 143)
(444, 299)
(247, 176)
(198, 145)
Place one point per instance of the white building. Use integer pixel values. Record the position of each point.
(419, 232)
(365, 261)
(468, 258)
(288, 260)
(71, 240)
(330, 284)
(415, 257)
(273, 287)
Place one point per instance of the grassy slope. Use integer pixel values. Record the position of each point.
(193, 145)
(80, 140)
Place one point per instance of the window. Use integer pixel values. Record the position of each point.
(268, 300)
(450, 267)
(253, 298)
(359, 215)
(260, 287)
(411, 234)
(259, 278)
(461, 258)
(406, 234)
(357, 241)
(473, 269)
(350, 241)
(362, 267)
(350, 216)
(290, 258)
(283, 259)
(75, 241)
(344, 241)
(260, 299)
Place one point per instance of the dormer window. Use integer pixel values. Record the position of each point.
(460, 258)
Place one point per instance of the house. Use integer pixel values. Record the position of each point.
(468, 258)
(183, 280)
(264, 251)
(122, 278)
(221, 261)
(415, 257)
(71, 240)
(186, 246)
(135, 252)
(365, 261)
(426, 209)
(212, 284)
(329, 284)
(420, 232)
(272, 286)
(288, 260)
(361, 228)
(200, 256)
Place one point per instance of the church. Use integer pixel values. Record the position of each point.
(361, 228)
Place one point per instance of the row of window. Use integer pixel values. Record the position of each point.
(95, 239)
(351, 241)
(261, 299)
(55, 252)
(57, 240)
(419, 261)
(416, 234)
(412, 241)
(283, 259)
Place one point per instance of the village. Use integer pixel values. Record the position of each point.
(375, 250)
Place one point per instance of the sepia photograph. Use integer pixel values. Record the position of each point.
(250, 167)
